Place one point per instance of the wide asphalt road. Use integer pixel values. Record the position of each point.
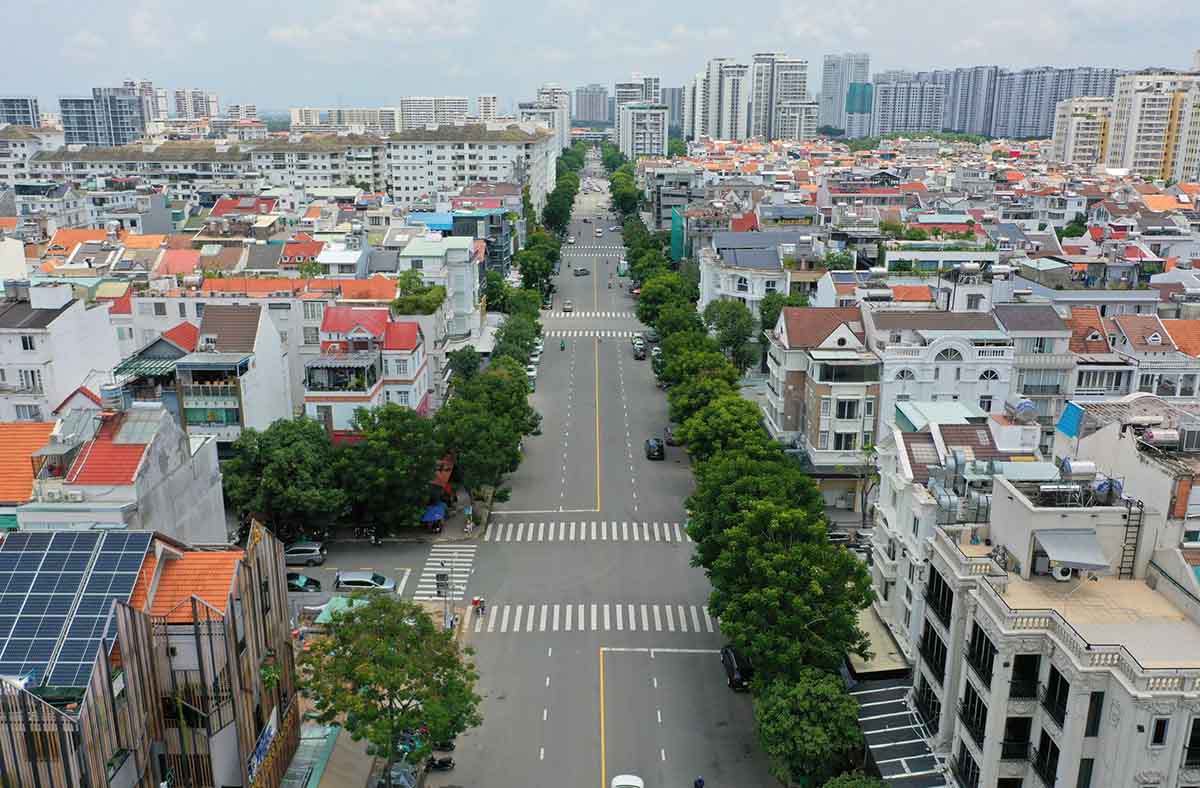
(597, 655)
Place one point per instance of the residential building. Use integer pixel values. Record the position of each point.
(1026, 100)
(935, 356)
(418, 112)
(591, 104)
(20, 111)
(1043, 364)
(149, 95)
(1081, 128)
(970, 98)
(555, 94)
(651, 87)
(860, 110)
(1099, 372)
(670, 188)
(747, 266)
(906, 106)
(553, 116)
(456, 263)
(1163, 367)
(50, 342)
(673, 98)
(196, 103)
(717, 101)
(1155, 126)
(322, 161)
(487, 107)
(624, 93)
(838, 73)
(822, 391)
(776, 80)
(168, 657)
(643, 129)
(111, 116)
(238, 375)
(367, 360)
(242, 112)
(795, 120)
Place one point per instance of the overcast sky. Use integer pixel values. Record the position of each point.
(370, 52)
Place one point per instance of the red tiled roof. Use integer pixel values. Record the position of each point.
(306, 249)
(343, 319)
(1138, 328)
(915, 186)
(401, 335)
(65, 241)
(809, 326)
(105, 462)
(122, 304)
(185, 335)
(18, 441)
(8, 222)
(203, 574)
(250, 285)
(911, 293)
(233, 205)
(377, 288)
(1084, 321)
(1186, 334)
(179, 261)
(745, 223)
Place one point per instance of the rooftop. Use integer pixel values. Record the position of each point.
(205, 575)
(168, 151)
(234, 326)
(19, 440)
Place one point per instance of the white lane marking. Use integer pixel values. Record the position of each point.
(487, 533)
(562, 529)
(657, 538)
(645, 532)
(695, 619)
(403, 582)
(593, 530)
(478, 623)
(663, 754)
(517, 619)
(678, 538)
(670, 618)
(645, 624)
(547, 681)
(603, 530)
(632, 620)
(545, 713)
(541, 753)
(492, 620)
(625, 532)
(542, 621)
(508, 532)
(635, 532)
(521, 530)
(606, 621)
(503, 621)
(659, 716)
(572, 532)
(554, 619)
(620, 617)
(529, 536)
(657, 620)
(580, 618)
(529, 618)
(682, 620)
(567, 627)
(708, 622)
(540, 526)
(595, 610)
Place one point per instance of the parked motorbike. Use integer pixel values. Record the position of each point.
(444, 746)
(436, 764)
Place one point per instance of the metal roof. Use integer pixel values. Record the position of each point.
(343, 360)
(147, 367)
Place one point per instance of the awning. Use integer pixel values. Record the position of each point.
(434, 513)
(1076, 548)
(150, 367)
(8, 522)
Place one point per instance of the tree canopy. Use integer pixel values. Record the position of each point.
(725, 424)
(382, 669)
(387, 473)
(732, 325)
(464, 363)
(657, 292)
(415, 297)
(808, 727)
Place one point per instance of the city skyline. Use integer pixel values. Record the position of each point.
(364, 35)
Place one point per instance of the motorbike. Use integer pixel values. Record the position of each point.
(436, 764)
(444, 746)
(562, 345)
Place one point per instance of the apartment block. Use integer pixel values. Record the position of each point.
(776, 80)
(487, 107)
(643, 129)
(417, 112)
(553, 116)
(1081, 127)
(19, 144)
(838, 73)
(1155, 125)
(242, 112)
(1026, 100)
(717, 101)
(20, 111)
(111, 116)
(906, 106)
(591, 104)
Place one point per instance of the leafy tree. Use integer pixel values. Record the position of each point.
(808, 727)
(536, 269)
(830, 131)
(732, 325)
(854, 780)
(692, 395)
(785, 594)
(464, 363)
(524, 302)
(310, 269)
(674, 318)
(495, 290)
(657, 292)
(387, 474)
(729, 484)
(696, 361)
(725, 424)
(891, 229)
(516, 337)
(284, 473)
(414, 297)
(839, 261)
(676, 147)
(382, 668)
(915, 234)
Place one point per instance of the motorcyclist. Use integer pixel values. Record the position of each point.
(562, 344)
(699, 783)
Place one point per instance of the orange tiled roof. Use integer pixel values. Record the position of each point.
(144, 241)
(102, 461)
(65, 241)
(1084, 321)
(250, 286)
(1186, 334)
(18, 440)
(377, 288)
(204, 574)
(911, 293)
(185, 335)
(8, 222)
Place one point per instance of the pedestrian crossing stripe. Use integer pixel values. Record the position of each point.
(613, 315)
(596, 333)
(587, 531)
(595, 617)
(456, 560)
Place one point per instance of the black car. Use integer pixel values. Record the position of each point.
(669, 435)
(639, 353)
(650, 335)
(582, 272)
(738, 670)
(299, 582)
(655, 449)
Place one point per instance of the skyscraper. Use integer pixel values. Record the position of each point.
(553, 93)
(838, 73)
(1026, 99)
(716, 102)
(1081, 130)
(486, 107)
(149, 95)
(112, 116)
(626, 93)
(906, 106)
(651, 87)
(775, 79)
(1155, 126)
(591, 103)
(643, 129)
(673, 98)
(19, 111)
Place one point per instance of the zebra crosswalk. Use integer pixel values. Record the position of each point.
(601, 314)
(578, 249)
(455, 560)
(604, 617)
(593, 333)
(587, 531)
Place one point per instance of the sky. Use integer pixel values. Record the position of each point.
(371, 52)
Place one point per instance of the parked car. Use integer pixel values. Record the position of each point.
(582, 272)
(669, 436)
(304, 554)
(535, 358)
(568, 305)
(571, 240)
(655, 450)
(639, 353)
(650, 335)
(363, 581)
(738, 670)
(636, 339)
(613, 229)
(299, 582)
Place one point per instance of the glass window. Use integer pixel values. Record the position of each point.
(844, 441)
(160, 308)
(949, 354)
(847, 409)
(27, 342)
(1158, 732)
(312, 335)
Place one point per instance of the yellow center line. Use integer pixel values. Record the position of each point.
(603, 743)
(596, 345)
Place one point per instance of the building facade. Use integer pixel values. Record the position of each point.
(776, 79)
(1154, 131)
(906, 106)
(1081, 128)
(20, 111)
(1026, 100)
(643, 129)
(111, 116)
(838, 73)
(591, 104)
(487, 107)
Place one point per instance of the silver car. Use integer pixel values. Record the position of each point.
(304, 554)
(363, 581)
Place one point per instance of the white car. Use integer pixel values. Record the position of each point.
(571, 240)
(535, 358)
(627, 781)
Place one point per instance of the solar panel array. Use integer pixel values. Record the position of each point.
(59, 588)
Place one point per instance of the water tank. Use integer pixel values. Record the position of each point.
(192, 281)
(1161, 437)
(1108, 489)
(968, 268)
(1145, 421)
(1078, 469)
(1001, 270)
(112, 396)
(1025, 412)
(878, 272)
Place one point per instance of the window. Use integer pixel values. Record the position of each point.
(314, 310)
(868, 438)
(869, 408)
(949, 354)
(1095, 707)
(916, 525)
(402, 397)
(29, 413)
(1158, 731)
(1037, 345)
(933, 652)
(823, 440)
(826, 404)
(182, 309)
(160, 308)
(989, 374)
(199, 309)
(27, 342)
(985, 404)
(844, 441)
(31, 379)
(847, 409)
(400, 366)
(771, 286)
(974, 302)
(981, 654)
(1085, 773)
(144, 308)
(905, 374)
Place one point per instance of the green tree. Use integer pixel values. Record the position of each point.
(516, 338)
(726, 424)
(657, 292)
(464, 363)
(786, 595)
(495, 290)
(694, 394)
(808, 727)
(384, 667)
(676, 147)
(524, 301)
(729, 484)
(839, 261)
(732, 325)
(387, 473)
(415, 297)
(855, 780)
(285, 474)
(696, 361)
(674, 318)
(536, 269)
(310, 269)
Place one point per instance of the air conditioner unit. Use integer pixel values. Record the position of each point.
(1061, 573)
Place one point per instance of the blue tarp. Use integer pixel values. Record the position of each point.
(434, 513)
(1070, 420)
(434, 221)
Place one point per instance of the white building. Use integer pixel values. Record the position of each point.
(455, 263)
(795, 120)
(591, 103)
(643, 129)
(717, 101)
(1081, 129)
(747, 266)
(777, 81)
(553, 116)
(487, 107)
(837, 75)
(367, 360)
(420, 111)
(130, 466)
(49, 343)
(1155, 127)
(242, 112)
(907, 106)
(18, 145)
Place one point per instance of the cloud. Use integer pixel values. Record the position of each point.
(83, 46)
(359, 21)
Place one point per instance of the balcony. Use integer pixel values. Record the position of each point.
(1022, 689)
(1042, 391)
(1015, 750)
(210, 390)
(980, 667)
(1044, 768)
(972, 722)
(1056, 709)
(940, 607)
(342, 373)
(931, 659)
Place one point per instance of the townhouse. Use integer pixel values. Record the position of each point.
(747, 266)
(1043, 364)
(19, 144)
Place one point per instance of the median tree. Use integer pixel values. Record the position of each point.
(284, 474)
(688, 365)
(657, 292)
(729, 423)
(464, 363)
(386, 474)
(383, 668)
(732, 325)
(808, 727)
(675, 318)
(692, 395)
